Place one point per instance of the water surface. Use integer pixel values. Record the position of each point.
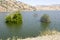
(31, 26)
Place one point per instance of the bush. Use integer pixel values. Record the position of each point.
(14, 18)
(45, 18)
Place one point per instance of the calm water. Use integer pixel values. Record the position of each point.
(31, 26)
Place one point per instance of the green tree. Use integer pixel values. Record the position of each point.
(45, 18)
(14, 18)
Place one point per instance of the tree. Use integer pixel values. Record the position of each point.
(45, 18)
(14, 18)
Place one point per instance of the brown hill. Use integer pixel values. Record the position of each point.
(49, 7)
(13, 5)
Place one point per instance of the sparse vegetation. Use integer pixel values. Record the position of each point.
(45, 18)
(14, 18)
(48, 32)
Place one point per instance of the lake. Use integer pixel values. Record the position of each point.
(31, 26)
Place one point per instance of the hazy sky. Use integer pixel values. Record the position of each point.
(40, 2)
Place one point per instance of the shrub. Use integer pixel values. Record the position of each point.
(14, 18)
(45, 18)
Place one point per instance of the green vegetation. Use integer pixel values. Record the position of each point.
(14, 18)
(45, 18)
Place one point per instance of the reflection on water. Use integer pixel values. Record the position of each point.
(31, 26)
(44, 25)
(44, 28)
(13, 32)
(14, 22)
(14, 25)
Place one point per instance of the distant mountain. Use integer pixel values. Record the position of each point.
(48, 7)
(13, 5)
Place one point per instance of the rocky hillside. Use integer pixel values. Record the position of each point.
(13, 5)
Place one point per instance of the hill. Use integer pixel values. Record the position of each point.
(13, 5)
(48, 7)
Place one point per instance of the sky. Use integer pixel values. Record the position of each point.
(40, 2)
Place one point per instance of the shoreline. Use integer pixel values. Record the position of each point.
(30, 11)
(54, 36)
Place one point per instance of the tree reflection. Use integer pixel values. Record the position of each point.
(14, 23)
(14, 20)
(13, 31)
(44, 28)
